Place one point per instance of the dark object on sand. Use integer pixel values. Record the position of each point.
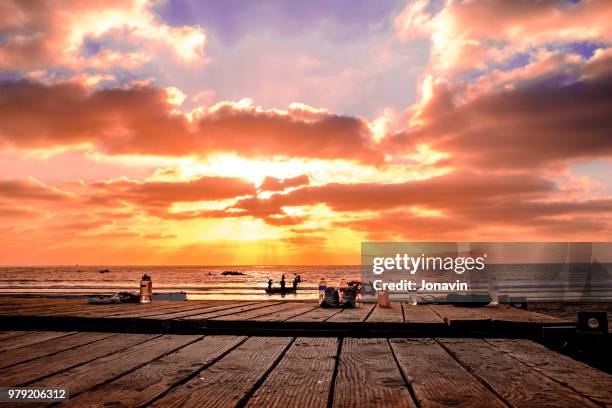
(232, 273)
(271, 291)
(121, 297)
(468, 300)
(593, 322)
(104, 270)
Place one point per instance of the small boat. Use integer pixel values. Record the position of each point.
(232, 273)
(278, 290)
(104, 270)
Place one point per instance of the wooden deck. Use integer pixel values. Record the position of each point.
(289, 354)
(273, 319)
(135, 370)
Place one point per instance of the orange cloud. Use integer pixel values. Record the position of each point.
(50, 33)
(141, 121)
(274, 184)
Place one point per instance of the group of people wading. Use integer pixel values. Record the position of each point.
(283, 285)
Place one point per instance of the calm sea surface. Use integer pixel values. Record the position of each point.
(199, 282)
(536, 282)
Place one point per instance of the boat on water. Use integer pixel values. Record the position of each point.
(232, 273)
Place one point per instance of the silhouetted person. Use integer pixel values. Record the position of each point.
(295, 283)
(269, 284)
(282, 283)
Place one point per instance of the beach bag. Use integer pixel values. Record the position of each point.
(350, 297)
(331, 298)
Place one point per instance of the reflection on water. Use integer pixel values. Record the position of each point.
(199, 282)
(535, 282)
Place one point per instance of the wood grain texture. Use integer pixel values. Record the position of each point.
(356, 315)
(253, 313)
(46, 348)
(31, 338)
(420, 314)
(201, 310)
(450, 313)
(504, 313)
(296, 309)
(580, 377)
(229, 380)
(228, 311)
(437, 379)
(103, 369)
(12, 333)
(31, 371)
(518, 384)
(318, 314)
(140, 387)
(387, 315)
(368, 376)
(302, 379)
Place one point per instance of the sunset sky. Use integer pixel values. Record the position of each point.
(286, 132)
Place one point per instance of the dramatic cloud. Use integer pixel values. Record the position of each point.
(30, 189)
(420, 120)
(473, 34)
(140, 120)
(55, 33)
(535, 125)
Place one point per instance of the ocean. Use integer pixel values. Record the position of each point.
(199, 282)
(539, 282)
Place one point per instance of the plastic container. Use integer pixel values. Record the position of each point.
(146, 289)
(341, 289)
(383, 299)
(322, 288)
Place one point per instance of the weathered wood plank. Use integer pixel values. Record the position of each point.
(420, 314)
(504, 313)
(460, 317)
(369, 377)
(356, 315)
(138, 310)
(386, 315)
(13, 333)
(319, 314)
(154, 313)
(580, 377)
(31, 371)
(285, 314)
(231, 379)
(101, 310)
(518, 384)
(107, 368)
(95, 310)
(208, 309)
(303, 377)
(250, 314)
(437, 380)
(229, 311)
(39, 310)
(31, 338)
(46, 348)
(140, 387)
